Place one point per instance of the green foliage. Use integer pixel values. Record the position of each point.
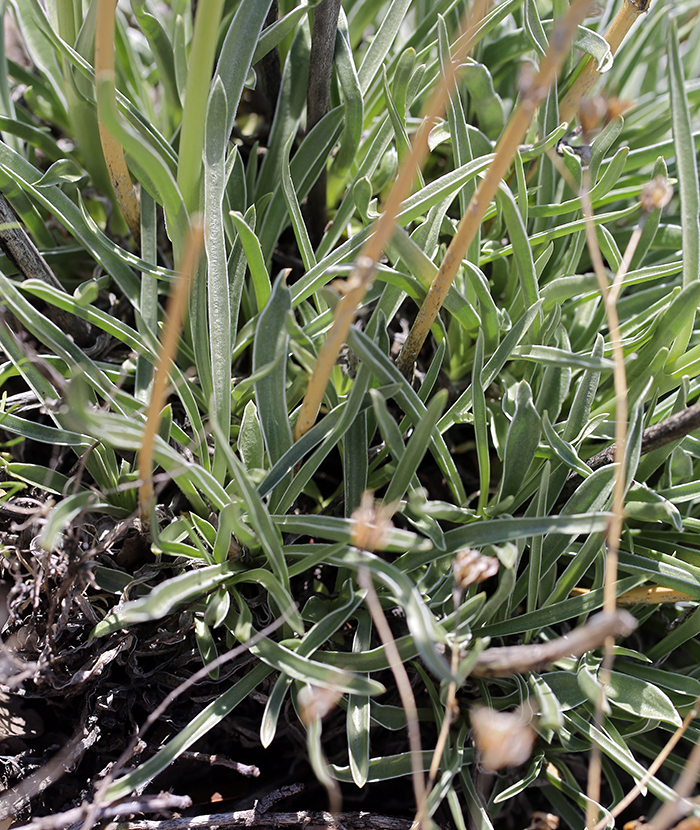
(513, 399)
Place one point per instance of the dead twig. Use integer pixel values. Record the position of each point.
(147, 804)
(673, 811)
(267, 801)
(359, 280)
(673, 428)
(252, 819)
(403, 684)
(111, 148)
(502, 662)
(248, 770)
(93, 810)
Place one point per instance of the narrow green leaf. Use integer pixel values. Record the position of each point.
(415, 450)
(202, 723)
(256, 263)
(521, 442)
(685, 158)
(166, 597)
(358, 717)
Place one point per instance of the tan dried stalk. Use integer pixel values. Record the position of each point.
(451, 712)
(112, 149)
(673, 811)
(652, 197)
(361, 276)
(589, 76)
(403, 684)
(615, 524)
(175, 312)
(654, 767)
(533, 92)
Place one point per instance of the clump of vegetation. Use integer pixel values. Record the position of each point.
(349, 362)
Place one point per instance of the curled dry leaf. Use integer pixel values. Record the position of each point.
(370, 524)
(470, 566)
(503, 739)
(315, 703)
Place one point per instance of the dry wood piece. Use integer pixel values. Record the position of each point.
(147, 804)
(318, 94)
(501, 662)
(249, 770)
(673, 428)
(264, 804)
(250, 818)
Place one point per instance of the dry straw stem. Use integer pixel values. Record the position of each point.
(357, 283)
(112, 149)
(653, 196)
(587, 79)
(177, 303)
(364, 579)
(673, 811)
(610, 293)
(615, 525)
(451, 712)
(533, 92)
(654, 767)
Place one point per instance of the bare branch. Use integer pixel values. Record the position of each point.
(501, 662)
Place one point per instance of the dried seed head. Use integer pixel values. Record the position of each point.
(470, 566)
(598, 111)
(591, 112)
(657, 194)
(543, 821)
(315, 703)
(369, 524)
(504, 739)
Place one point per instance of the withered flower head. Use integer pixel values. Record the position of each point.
(470, 566)
(543, 821)
(656, 194)
(369, 524)
(598, 111)
(503, 739)
(591, 113)
(315, 703)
